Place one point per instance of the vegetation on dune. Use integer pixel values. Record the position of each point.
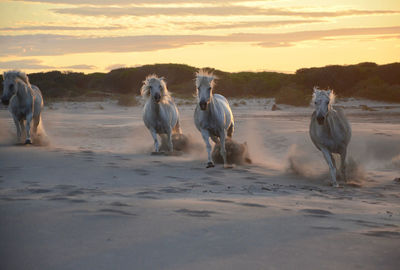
(365, 80)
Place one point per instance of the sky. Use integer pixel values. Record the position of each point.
(233, 35)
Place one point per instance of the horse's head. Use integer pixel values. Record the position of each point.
(154, 87)
(10, 81)
(323, 100)
(204, 85)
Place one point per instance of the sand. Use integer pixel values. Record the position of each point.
(94, 198)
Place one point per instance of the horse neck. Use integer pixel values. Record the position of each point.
(24, 92)
(327, 126)
(211, 106)
(155, 107)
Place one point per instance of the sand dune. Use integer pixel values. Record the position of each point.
(94, 197)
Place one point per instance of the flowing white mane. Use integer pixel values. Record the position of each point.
(12, 74)
(145, 90)
(204, 77)
(323, 93)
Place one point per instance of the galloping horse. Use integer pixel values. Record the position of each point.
(25, 102)
(329, 130)
(160, 114)
(213, 116)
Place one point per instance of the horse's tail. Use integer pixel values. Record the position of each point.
(230, 130)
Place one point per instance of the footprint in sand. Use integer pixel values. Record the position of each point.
(173, 190)
(252, 205)
(385, 234)
(195, 213)
(148, 194)
(141, 171)
(317, 213)
(214, 183)
(120, 204)
(39, 190)
(115, 212)
(221, 201)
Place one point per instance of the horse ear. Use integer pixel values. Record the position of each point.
(316, 89)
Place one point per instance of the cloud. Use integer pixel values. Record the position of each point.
(115, 66)
(40, 44)
(221, 10)
(37, 64)
(58, 28)
(130, 2)
(24, 64)
(248, 24)
(82, 66)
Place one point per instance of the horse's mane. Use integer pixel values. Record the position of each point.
(16, 74)
(145, 90)
(328, 93)
(204, 76)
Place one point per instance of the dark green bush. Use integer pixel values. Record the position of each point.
(291, 95)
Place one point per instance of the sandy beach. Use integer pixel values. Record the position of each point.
(94, 197)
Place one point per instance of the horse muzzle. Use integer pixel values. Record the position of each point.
(203, 105)
(157, 98)
(320, 119)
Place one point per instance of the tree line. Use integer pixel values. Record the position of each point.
(365, 80)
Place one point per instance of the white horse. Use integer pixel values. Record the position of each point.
(25, 102)
(160, 114)
(213, 116)
(329, 130)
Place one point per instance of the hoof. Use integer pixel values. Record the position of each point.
(28, 142)
(228, 166)
(160, 153)
(336, 185)
(210, 165)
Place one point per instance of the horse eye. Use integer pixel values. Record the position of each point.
(327, 102)
(209, 88)
(11, 86)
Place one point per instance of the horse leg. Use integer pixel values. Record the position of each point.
(177, 128)
(36, 121)
(206, 137)
(18, 126)
(170, 145)
(343, 163)
(28, 128)
(334, 164)
(22, 124)
(154, 135)
(223, 150)
(332, 169)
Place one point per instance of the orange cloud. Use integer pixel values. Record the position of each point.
(40, 44)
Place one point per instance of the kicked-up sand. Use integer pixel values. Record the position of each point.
(95, 197)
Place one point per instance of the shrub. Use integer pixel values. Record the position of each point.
(292, 96)
(376, 89)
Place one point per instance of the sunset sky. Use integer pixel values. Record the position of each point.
(234, 35)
